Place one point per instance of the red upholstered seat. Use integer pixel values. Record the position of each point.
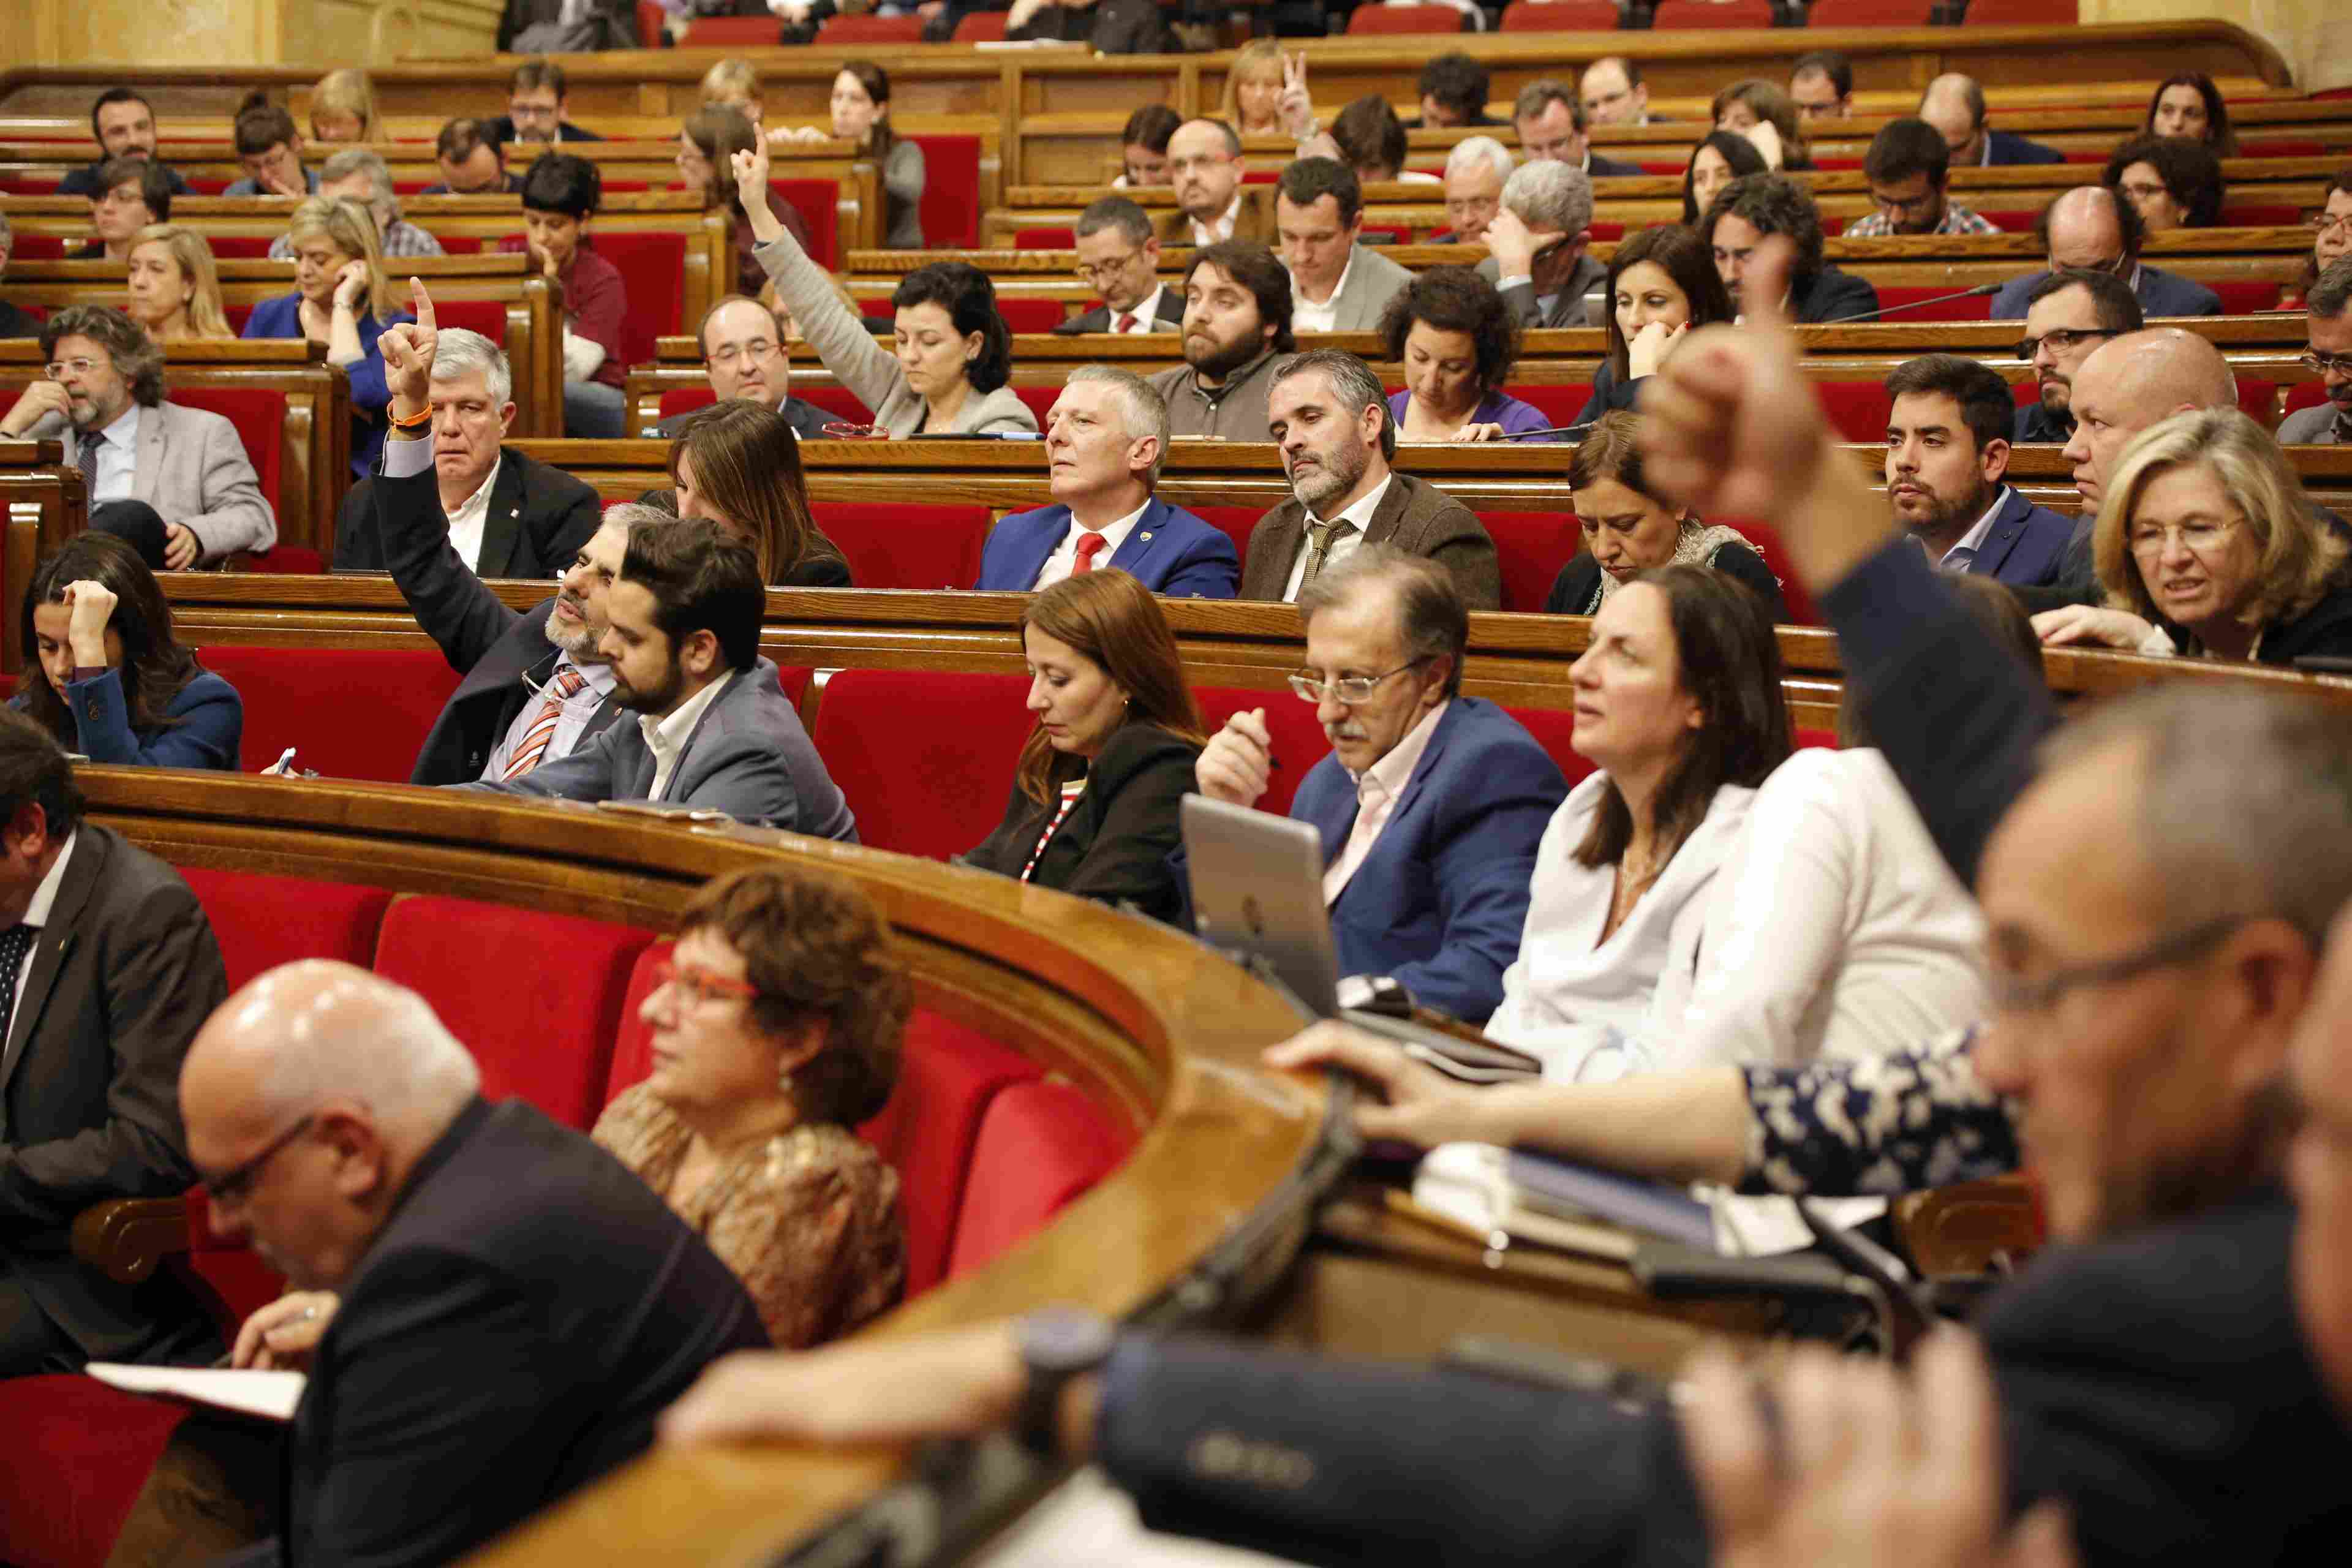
(1558, 402)
(1970, 308)
(632, 1042)
(262, 922)
(2021, 14)
(836, 32)
(1300, 743)
(89, 1450)
(1554, 730)
(1039, 1146)
(535, 996)
(948, 1074)
(2281, 147)
(793, 680)
(980, 27)
(2304, 395)
(1561, 16)
(950, 206)
(730, 33)
(1235, 522)
(1825, 739)
(1868, 14)
(1039, 400)
(2260, 214)
(1532, 547)
(1859, 409)
(1381, 19)
(653, 276)
(1686, 16)
(838, 401)
(677, 400)
(1044, 238)
(925, 757)
(907, 544)
(239, 247)
(2246, 297)
(816, 200)
(1030, 316)
(2017, 220)
(288, 561)
(260, 420)
(356, 713)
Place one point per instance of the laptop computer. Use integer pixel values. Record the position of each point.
(1258, 892)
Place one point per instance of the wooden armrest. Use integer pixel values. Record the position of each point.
(1959, 1229)
(125, 1238)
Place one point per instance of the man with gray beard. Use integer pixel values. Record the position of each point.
(1326, 411)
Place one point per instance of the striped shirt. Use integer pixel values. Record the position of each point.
(1070, 793)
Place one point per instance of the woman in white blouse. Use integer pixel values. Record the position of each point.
(1678, 701)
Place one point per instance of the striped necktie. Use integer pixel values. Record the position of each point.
(541, 733)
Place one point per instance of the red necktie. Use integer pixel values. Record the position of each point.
(1123, 323)
(1090, 545)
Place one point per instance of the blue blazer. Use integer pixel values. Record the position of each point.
(1169, 550)
(1440, 901)
(211, 724)
(282, 318)
(2160, 294)
(2009, 148)
(2025, 543)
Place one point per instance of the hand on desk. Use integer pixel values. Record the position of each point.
(945, 1385)
(1425, 1108)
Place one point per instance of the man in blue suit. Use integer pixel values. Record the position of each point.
(2088, 227)
(1105, 437)
(1954, 105)
(1946, 453)
(1431, 805)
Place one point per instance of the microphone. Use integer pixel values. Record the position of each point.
(1982, 289)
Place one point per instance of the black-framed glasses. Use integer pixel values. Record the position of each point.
(2061, 339)
(1348, 688)
(2010, 994)
(234, 1185)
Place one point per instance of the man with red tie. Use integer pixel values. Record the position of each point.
(1105, 437)
(1118, 256)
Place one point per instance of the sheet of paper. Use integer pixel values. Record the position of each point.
(272, 1396)
(1086, 1523)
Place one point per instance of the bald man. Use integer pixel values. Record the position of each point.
(1954, 105)
(515, 1306)
(1205, 166)
(2089, 227)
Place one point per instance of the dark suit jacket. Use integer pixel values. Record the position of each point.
(1577, 590)
(539, 517)
(2024, 545)
(747, 756)
(2160, 294)
(1613, 169)
(502, 130)
(2036, 424)
(505, 658)
(1115, 845)
(514, 1330)
(1169, 550)
(1415, 516)
(17, 323)
(1831, 295)
(2158, 1383)
(2008, 148)
(117, 985)
(1108, 27)
(1098, 318)
(83, 180)
(1254, 221)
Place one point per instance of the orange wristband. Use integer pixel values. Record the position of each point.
(416, 421)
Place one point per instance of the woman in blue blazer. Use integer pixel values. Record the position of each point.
(110, 681)
(341, 298)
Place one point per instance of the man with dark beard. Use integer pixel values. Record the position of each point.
(2067, 316)
(1236, 322)
(1947, 452)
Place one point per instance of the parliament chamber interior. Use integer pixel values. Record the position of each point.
(1084, 1116)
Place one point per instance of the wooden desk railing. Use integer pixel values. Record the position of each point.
(44, 502)
(533, 336)
(315, 453)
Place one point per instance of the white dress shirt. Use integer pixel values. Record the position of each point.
(1835, 928)
(1361, 514)
(1065, 555)
(37, 915)
(1145, 316)
(1377, 788)
(666, 738)
(1221, 230)
(466, 522)
(1588, 1008)
(1306, 315)
(117, 472)
(1962, 555)
(570, 720)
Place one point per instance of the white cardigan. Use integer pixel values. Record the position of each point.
(1589, 1009)
(1835, 929)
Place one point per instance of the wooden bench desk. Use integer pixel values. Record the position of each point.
(45, 502)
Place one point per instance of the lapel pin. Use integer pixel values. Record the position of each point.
(1147, 539)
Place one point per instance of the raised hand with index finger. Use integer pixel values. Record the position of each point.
(407, 348)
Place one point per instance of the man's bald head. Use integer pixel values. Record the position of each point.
(2134, 381)
(2091, 228)
(309, 1097)
(1954, 105)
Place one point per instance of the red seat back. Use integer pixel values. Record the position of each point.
(1040, 1145)
(2245, 297)
(101, 1440)
(262, 922)
(837, 32)
(288, 691)
(1235, 522)
(288, 561)
(924, 757)
(653, 276)
(1380, 19)
(980, 27)
(2304, 395)
(1557, 402)
(1300, 743)
(260, 420)
(550, 1040)
(1868, 14)
(728, 33)
(1561, 16)
(950, 207)
(1044, 238)
(817, 202)
(907, 544)
(838, 401)
(1029, 316)
(2260, 214)
(1554, 730)
(1039, 401)
(1688, 15)
(1532, 547)
(2021, 14)
(1968, 308)
(1860, 409)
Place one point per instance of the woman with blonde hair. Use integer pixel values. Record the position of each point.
(343, 107)
(1254, 85)
(738, 464)
(2207, 547)
(341, 299)
(175, 290)
(733, 83)
(1096, 792)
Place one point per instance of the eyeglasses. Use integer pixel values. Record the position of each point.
(2325, 365)
(1350, 689)
(234, 1185)
(2061, 339)
(2324, 223)
(57, 368)
(2153, 540)
(2011, 995)
(1094, 271)
(757, 348)
(699, 986)
(2142, 191)
(1205, 163)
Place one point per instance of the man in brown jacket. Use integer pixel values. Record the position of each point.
(1204, 164)
(1325, 411)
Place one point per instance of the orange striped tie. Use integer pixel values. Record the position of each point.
(541, 733)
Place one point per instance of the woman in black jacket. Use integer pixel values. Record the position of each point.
(1096, 793)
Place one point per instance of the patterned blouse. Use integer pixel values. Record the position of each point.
(809, 1220)
(1876, 1124)
(1957, 219)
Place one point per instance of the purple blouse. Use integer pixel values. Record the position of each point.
(1511, 414)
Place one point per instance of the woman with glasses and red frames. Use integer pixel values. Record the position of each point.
(2207, 547)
